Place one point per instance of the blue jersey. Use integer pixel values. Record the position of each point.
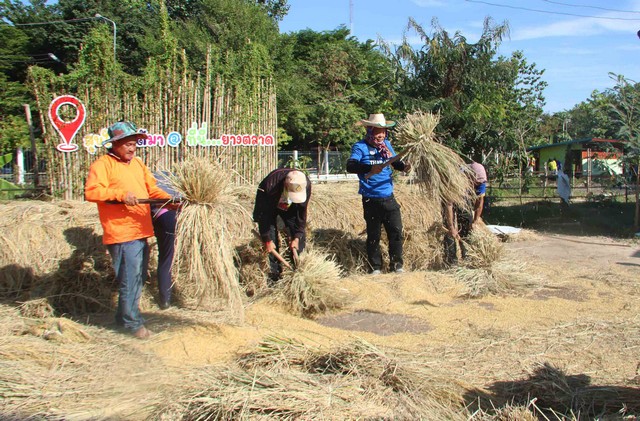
(481, 189)
(378, 185)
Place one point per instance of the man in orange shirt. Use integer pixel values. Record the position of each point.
(121, 177)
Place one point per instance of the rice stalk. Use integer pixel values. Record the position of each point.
(284, 379)
(313, 287)
(482, 248)
(440, 173)
(557, 392)
(345, 248)
(275, 352)
(37, 309)
(233, 393)
(57, 369)
(204, 267)
(502, 277)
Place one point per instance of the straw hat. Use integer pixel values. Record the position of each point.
(296, 185)
(378, 120)
(123, 130)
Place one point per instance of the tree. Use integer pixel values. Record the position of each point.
(230, 27)
(481, 98)
(14, 58)
(625, 104)
(593, 118)
(327, 81)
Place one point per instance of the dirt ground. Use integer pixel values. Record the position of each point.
(584, 278)
(582, 317)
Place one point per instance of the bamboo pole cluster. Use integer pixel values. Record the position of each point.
(167, 98)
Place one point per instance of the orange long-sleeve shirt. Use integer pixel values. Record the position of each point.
(110, 179)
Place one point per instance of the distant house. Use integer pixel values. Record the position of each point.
(594, 155)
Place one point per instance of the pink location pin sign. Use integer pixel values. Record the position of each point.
(67, 129)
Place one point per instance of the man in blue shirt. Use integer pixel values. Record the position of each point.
(368, 158)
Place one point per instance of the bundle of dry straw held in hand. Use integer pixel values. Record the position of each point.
(204, 267)
(313, 286)
(439, 171)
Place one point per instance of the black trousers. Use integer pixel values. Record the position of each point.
(275, 267)
(164, 228)
(464, 220)
(379, 212)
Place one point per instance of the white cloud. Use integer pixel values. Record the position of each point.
(428, 3)
(628, 47)
(571, 51)
(575, 28)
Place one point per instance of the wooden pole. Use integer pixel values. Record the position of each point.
(636, 219)
(34, 149)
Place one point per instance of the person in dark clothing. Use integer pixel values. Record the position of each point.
(368, 157)
(164, 219)
(459, 221)
(283, 193)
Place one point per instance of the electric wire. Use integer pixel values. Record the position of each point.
(550, 12)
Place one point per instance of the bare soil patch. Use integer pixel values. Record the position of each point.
(378, 323)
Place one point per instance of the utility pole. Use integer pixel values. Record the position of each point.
(99, 16)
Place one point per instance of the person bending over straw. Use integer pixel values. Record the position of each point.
(459, 221)
(120, 177)
(368, 159)
(284, 193)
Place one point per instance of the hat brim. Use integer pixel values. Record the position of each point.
(388, 124)
(298, 197)
(135, 136)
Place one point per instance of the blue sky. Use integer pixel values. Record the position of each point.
(577, 52)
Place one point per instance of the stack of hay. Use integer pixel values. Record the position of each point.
(489, 270)
(344, 238)
(53, 253)
(205, 274)
(313, 286)
(442, 178)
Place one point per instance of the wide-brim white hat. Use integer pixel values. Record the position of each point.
(378, 120)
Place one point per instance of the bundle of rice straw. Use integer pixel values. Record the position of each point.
(440, 173)
(313, 286)
(204, 266)
(348, 250)
(487, 270)
(483, 248)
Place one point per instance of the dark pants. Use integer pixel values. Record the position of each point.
(378, 212)
(164, 228)
(464, 220)
(275, 267)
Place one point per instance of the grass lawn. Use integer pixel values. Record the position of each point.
(608, 218)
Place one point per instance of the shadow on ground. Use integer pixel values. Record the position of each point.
(550, 394)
